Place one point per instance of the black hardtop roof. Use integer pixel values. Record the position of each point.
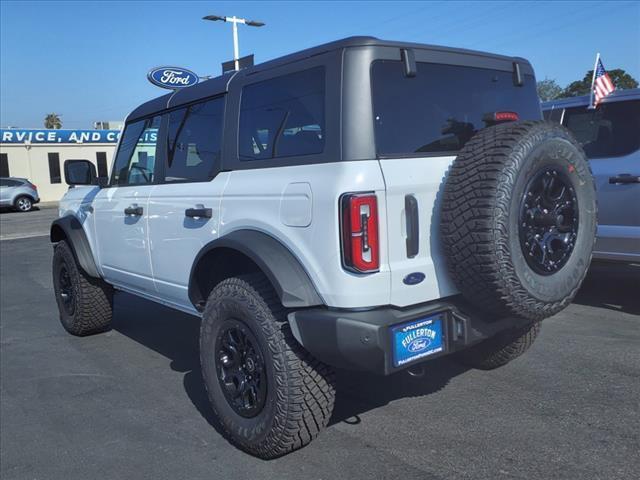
(219, 85)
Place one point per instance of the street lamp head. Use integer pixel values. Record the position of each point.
(214, 18)
(253, 23)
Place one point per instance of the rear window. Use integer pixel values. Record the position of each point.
(283, 116)
(611, 130)
(443, 106)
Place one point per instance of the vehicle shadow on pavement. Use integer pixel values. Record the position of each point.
(358, 392)
(175, 336)
(612, 286)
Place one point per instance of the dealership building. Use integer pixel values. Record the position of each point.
(39, 155)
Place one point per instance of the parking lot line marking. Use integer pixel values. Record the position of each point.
(19, 237)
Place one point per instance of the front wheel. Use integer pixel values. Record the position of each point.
(23, 204)
(85, 303)
(269, 395)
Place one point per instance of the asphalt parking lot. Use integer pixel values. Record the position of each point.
(130, 403)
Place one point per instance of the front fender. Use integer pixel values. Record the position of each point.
(70, 229)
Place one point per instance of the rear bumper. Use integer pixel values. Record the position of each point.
(362, 340)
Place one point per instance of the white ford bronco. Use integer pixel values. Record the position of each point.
(364, 205)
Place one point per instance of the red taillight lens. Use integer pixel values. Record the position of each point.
(506, 117)
(360, 243)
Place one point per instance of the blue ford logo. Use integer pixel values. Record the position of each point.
(418, 345)
(172, 77)
(413, 278)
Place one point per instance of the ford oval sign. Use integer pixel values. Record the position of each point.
(172, 77)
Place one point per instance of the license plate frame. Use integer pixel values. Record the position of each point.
(418, 339)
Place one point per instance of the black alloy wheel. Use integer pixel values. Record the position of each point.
(66, 289)
(241, 369)
(548, 221)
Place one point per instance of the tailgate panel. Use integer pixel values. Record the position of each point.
(424, 179)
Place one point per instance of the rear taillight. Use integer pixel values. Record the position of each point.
(360, 243)
(494, 118)
(33, 186)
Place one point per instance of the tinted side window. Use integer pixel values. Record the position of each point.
(553, 115)
(194, 142)
(443, 106)
(54, 167)
(101, 158)
(611, 130)
(283, 116)
(136, 158)
(4, 165)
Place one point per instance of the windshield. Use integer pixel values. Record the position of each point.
(443, 106)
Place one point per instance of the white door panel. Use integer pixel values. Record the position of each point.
(424, 179)
(176, 239)
(122, 239)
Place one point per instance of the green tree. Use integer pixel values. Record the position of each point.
(621, 79)
(548, 89)
(52, 120)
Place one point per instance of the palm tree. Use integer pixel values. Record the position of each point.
(52, 120)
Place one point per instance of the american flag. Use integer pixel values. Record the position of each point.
(602, 84)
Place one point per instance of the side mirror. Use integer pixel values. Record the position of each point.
(80, 172)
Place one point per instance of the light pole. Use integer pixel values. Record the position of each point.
(234, 21)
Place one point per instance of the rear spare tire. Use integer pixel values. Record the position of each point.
(519, 219)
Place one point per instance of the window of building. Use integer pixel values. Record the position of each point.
(4, 165)
(611, 130)
(283, 116)
(54, 167)
(443, 106)
(101, 159)
(194, 142)
(136, 158)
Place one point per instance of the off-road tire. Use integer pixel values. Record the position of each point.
(481, 207)
(92, 298)
(501, 349)
(300, 389)
(23, 203)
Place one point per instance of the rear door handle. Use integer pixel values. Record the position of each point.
(624, 178)
(134, 210)
(413, 225)
(198, 212)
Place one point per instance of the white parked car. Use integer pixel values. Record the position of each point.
(364, 204)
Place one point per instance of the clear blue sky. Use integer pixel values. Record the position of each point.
(88, 60)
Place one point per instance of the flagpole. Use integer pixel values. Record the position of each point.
(593, 81)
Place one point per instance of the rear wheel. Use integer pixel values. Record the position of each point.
(501, 349)
(23, 204)
(84, 303)
(269, 395)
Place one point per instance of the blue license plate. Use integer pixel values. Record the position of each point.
(417, 339)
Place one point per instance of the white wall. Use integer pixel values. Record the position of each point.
(31, 162)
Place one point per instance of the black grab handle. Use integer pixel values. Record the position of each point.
(133, 210)
(624, 178)
(198, 212)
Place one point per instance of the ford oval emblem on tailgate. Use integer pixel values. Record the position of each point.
(413, 278)
(172, 77)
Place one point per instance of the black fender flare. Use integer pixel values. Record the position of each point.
(69, 228)
(288, 277)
